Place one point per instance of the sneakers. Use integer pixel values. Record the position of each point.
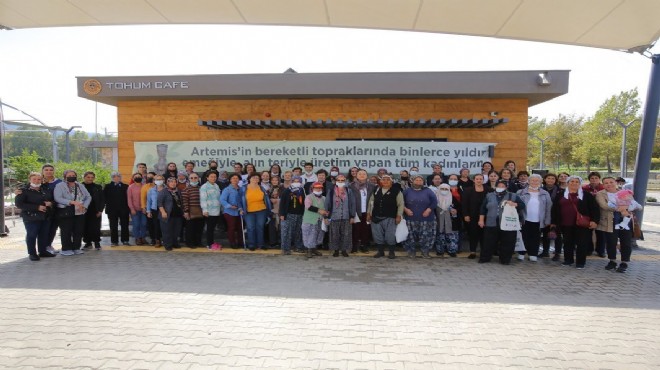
(521, 257)
(622, 267)
(87, 246)
(78, 251)
(67, 253)
(610, 266)
(46, 254)
(52, 250)
(533, 258)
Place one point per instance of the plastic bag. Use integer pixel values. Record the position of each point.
(520, 245)
(509, 220)
(401, 232)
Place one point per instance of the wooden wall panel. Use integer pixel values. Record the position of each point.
(172, 120)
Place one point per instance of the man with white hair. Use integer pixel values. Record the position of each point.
(116, 196)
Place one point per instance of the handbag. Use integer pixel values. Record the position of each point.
(581, 220)
(637, 229)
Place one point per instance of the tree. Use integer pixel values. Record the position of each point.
(564, 133)
(32, 140)
(23, 164)
(600, 140)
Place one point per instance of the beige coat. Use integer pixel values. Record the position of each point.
(606, 222)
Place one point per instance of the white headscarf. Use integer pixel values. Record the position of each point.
(579, 192)
(444, 201)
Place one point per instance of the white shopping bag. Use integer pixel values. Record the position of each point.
(356, 219)
(324, 226)
(509, 220)
(520, 246)
(401, 232)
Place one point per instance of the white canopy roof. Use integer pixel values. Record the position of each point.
(630, 25)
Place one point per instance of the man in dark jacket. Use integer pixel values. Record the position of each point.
(92, 233)
(437, 170)
(116, 199)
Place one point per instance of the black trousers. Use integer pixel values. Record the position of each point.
(92, 232)
(531, 234)
(504, 242)
(546, 242)
(153, 225)
(194, 229)
(120, 220)
(475, 234)
(71, 232)
(577, 244)
(211, 223)
(624, 237)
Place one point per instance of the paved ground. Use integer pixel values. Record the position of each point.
(146, 310)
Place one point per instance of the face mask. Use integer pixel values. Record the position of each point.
(318, 192)
(194, 183)
(214, 167)
(413, 173)
(150, 180)
(265, 182)
(71, 179)
(453, 182)
(137, 179)
(35, 185)
(499, 190)
(296, 185)
(334, 173)
(444, 192)
(182, 181)
(533, 188)
(404, 178)
(341, 184)
(159, 182)
(309, 173)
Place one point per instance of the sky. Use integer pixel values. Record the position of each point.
(38, 66)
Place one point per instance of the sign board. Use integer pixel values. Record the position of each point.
(370, 155)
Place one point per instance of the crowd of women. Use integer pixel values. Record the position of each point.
(305, 210)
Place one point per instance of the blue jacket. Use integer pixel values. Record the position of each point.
(152, 199)
(231, 197)
(243, 190)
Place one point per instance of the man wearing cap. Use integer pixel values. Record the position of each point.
(420, 204)
(384, 212)
(315, 214)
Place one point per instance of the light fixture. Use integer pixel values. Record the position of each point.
(544, 79)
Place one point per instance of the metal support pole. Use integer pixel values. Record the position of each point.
(647, 135)
(56, 154)
(68, 145)
(542, 145)
(624, 151)
(3, 228)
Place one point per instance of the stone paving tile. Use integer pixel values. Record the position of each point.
(143, 310)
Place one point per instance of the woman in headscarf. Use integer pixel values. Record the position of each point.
(566, 206)
(340, 204)
(292, 208)
(315, 214)
(496, 239)
(170, 206)
(420, 204)
(448, 220)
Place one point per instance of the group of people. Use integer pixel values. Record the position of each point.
(504, 213)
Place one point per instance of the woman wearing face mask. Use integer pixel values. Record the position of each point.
(538, 207)
(138, 219)
(182, 180)
(256, 208)
(192, 212)
(490, 181)
(232, 211)
(404, 180)
(36, 204)
(152, 209)
(414, 171)
(170, 207)
(314, 215)
(496, 239)
(564, 215)
(334, 171)
(72, 200)
(275, 170)
(363, 190)
(340, 204)
(471, 205)
(448, 221)
(292, 208)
